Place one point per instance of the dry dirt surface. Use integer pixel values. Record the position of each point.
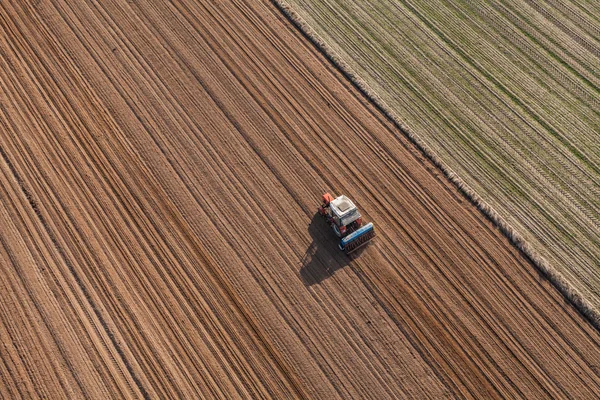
(161, 164)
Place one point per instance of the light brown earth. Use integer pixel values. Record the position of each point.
(161, 166)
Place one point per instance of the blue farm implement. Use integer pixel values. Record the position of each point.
(357, 239)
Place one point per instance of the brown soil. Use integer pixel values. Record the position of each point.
(161, 167)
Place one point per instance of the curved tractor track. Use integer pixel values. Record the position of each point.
(161, 167)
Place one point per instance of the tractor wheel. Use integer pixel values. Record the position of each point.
(336, 229)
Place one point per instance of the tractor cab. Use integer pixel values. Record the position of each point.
(341, 213)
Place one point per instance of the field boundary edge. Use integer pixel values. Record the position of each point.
(581, 304)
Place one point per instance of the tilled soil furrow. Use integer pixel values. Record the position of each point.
(171, 156)
(56, 289)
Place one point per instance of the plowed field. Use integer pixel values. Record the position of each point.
(161, 167)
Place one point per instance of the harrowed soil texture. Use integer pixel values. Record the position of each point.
(161, 165)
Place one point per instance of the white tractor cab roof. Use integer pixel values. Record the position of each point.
(344, 211)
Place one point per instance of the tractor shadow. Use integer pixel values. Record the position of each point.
(323, 257)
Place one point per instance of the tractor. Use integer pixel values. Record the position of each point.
(345, 220)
